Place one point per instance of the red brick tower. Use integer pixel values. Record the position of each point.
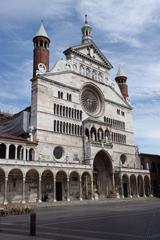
(41, 52)
(121, 79)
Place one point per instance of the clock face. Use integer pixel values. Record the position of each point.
(42, 68)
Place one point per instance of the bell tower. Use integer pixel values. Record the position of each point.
(121, 79)
(86, 32)
(41, 43)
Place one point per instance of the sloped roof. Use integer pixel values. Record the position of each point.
(42, 32)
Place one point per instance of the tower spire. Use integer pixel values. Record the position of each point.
(41, 51)
(86, 32)
(121, 80)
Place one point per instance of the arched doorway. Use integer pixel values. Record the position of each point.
(2, 184)
(61, 186)
(74, 186)
(140, 186)
(15, 182)
(86, 186)
(147, 186)
(32, 185)
(125, 183)
(47, 186)
(133, 185)
(103, 175)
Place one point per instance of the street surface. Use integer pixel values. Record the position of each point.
(109, 220)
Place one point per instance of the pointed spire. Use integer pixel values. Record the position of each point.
(120, 72)
(86, 32)
(42, 32)
(86, 22)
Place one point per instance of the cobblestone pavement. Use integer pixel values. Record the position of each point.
(108, 220)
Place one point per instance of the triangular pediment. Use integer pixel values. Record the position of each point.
(91, 52)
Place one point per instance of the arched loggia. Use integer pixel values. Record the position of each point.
(103, 175)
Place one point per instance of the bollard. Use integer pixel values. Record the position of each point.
(33, 224)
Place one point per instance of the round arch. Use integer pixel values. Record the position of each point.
(2, 150)
(125, 183)
(15, 185)
(47, 185)
(86, 185)
(74, 185)
(32, 185)
(140, 186)
(103, 175)
(133, 185)
(2, 185)
(61, 185)
(147, 185)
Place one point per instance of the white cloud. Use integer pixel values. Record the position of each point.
(121, 20)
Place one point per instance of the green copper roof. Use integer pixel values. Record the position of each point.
(42, 32)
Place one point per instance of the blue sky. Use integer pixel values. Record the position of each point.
(128, 33)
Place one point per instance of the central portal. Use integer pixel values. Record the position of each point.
(103, 175)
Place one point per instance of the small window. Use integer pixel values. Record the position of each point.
(58, 152)
(122, 113)
(123, 158)
(118, 111)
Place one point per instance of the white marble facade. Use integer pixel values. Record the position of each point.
(82, 135)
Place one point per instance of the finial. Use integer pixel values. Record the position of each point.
(86, 19)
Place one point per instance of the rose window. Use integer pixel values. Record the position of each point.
(91, 100)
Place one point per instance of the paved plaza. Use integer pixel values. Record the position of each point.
(109, 220)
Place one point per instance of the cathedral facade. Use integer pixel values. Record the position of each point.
(76, 140)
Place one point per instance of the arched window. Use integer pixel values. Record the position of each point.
(57, 126)
(61, 111)
(73, 129)
(64, 127)
(31, 154)
(69, 112)
(93, 134)
(59, 94)
(82, 70)
(2, 150)
(69, 128)
(54, 125)
(87, 133)
(64, 111)
(88, 72)
(55, 109)
(80, 115)
(72, 113)
(12, 151)
(60, 127)
(123, 158)
(20, 152)
(70, 97)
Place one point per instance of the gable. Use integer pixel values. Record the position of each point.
(91, 52)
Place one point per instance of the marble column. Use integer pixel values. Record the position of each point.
(54, 184)
(39, 190)
(68, 190)
(92, 190)
(5, 190)
(23, 190)
(80, 189)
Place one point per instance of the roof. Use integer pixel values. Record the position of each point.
(41, 32)
(15, 138)
(120, 72)
(149, 155)
(4, 117)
